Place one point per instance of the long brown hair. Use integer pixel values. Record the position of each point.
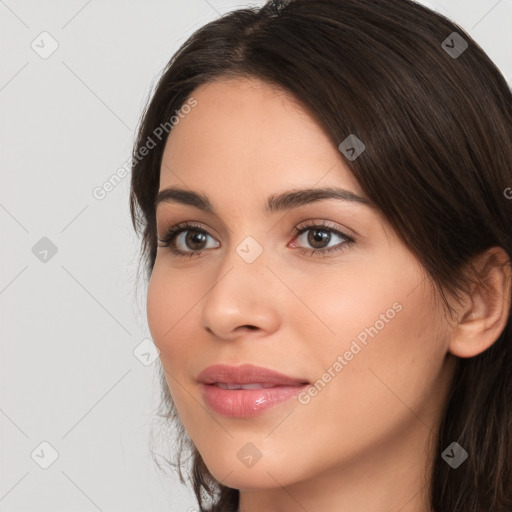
(436, 119)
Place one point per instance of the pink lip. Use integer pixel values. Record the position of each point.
(247, 402)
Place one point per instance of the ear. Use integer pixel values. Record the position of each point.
(484, 314)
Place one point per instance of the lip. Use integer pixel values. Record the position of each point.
(278, 388)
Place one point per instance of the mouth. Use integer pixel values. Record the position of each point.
(246, 390)
(247, 375)
(224, 385)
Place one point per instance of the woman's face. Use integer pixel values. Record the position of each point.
(359, 324)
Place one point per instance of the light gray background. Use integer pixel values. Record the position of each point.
(69, 376)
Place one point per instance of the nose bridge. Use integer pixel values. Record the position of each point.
(240, 295)
(244, 264)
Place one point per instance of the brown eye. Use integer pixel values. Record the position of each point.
(319, 236)
(193, 241)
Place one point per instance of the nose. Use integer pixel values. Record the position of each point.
(244, 297)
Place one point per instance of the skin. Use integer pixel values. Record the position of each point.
(363, 442)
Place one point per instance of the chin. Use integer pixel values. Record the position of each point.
(231, 470)
(249, 478)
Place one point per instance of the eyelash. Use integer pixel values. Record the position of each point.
(168, 239)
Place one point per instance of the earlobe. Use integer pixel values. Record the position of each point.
(487, 310)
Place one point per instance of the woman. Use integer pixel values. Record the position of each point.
(320, 186)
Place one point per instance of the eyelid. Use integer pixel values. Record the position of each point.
(327, 224)
(314, 222)
(200, 226)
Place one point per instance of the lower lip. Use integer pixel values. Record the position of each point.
(245, 403)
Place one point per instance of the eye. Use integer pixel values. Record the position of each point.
(320, 234)
(196, 237)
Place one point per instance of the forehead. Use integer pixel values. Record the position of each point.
(250, 137)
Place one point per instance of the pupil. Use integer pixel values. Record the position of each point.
(316, 236)
(193, 237)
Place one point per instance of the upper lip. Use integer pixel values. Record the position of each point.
(246, 374)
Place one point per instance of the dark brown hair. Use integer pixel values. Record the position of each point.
(438, 134)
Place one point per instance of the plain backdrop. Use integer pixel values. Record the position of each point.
(78, 376)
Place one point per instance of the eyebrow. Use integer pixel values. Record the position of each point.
(275, 203)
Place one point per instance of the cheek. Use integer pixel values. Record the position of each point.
(173, 302)
(389, 334)
(392, 350)
(357, 305)
(157, 304)
(167, 304)
(169, 316)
